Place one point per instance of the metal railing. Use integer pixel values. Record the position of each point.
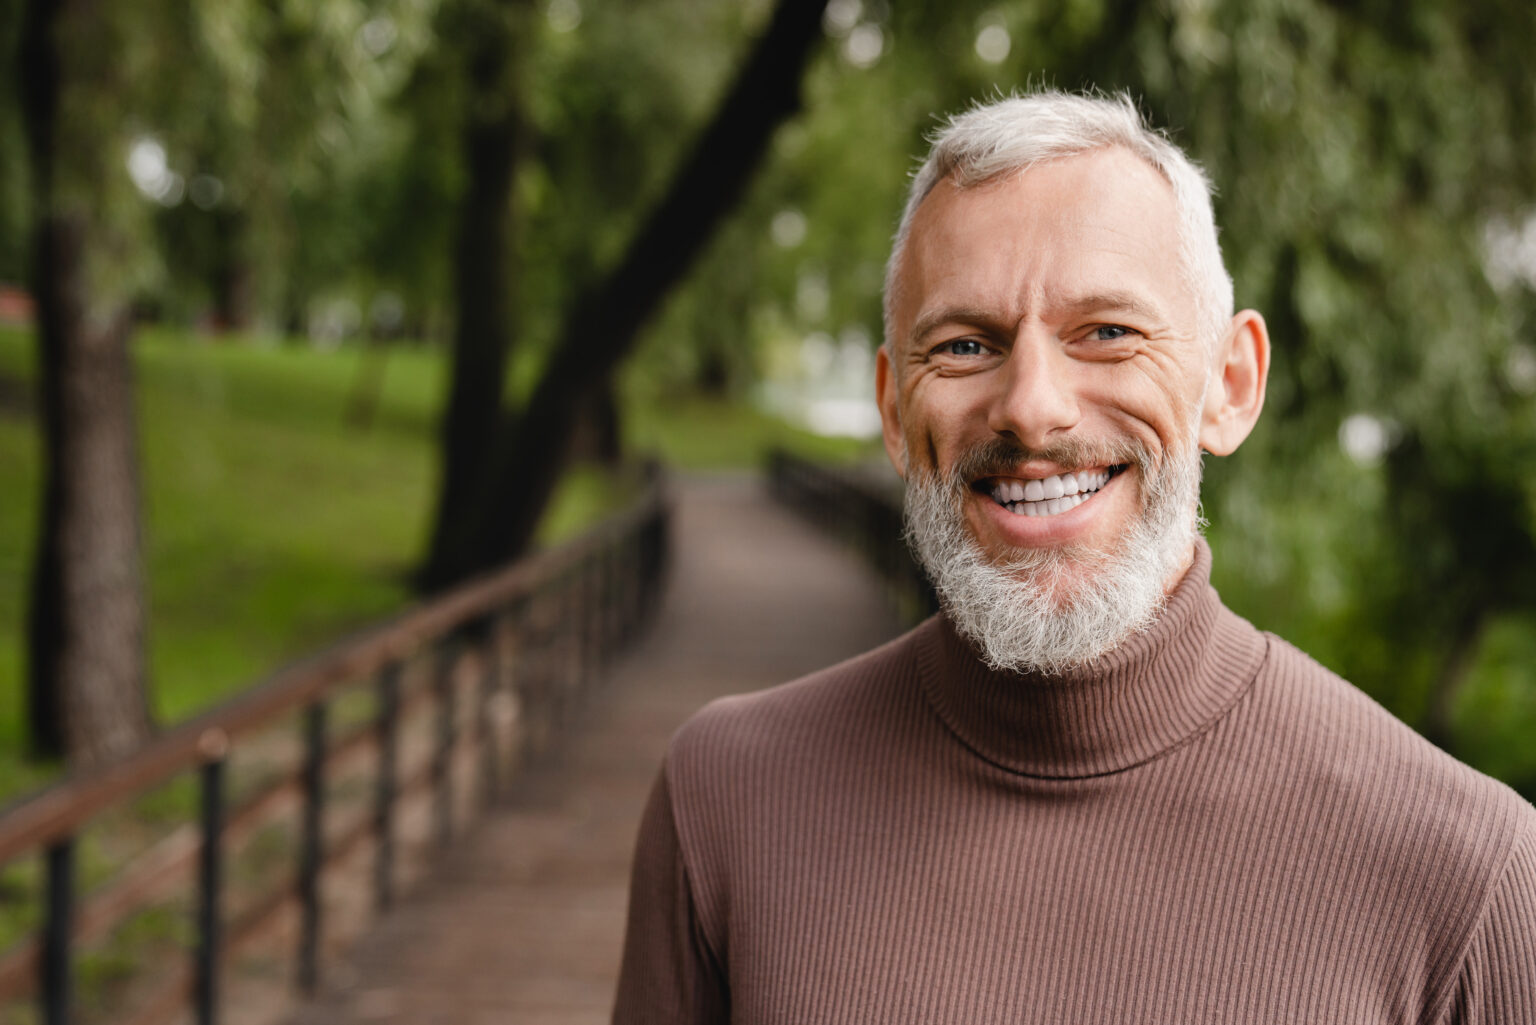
(864, 509)
(518, 647)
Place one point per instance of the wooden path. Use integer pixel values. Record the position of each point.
(523, 921)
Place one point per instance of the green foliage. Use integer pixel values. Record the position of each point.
(1372, 163)
(1497, 715)
(273, 524)
(14, 209)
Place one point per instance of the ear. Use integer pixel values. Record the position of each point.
(890, 418)
(1235, 395)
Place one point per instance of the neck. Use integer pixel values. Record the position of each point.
(1142, 698)
(1171, 584)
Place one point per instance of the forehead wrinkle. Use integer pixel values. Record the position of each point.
(1108, 302)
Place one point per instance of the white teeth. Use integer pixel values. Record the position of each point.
(1048, 496)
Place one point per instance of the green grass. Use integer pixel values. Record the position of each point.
(273, 523)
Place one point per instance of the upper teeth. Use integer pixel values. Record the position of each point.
(1049, 495)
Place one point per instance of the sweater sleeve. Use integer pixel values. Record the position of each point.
(669, 976)
(1498, 978)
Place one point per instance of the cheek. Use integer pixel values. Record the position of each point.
(1159, 413)
(939, 424)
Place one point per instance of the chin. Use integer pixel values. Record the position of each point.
(1059, 576)
(1053, 607)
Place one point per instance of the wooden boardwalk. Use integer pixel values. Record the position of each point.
(523, 921)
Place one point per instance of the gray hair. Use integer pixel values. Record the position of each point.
(1011, 135)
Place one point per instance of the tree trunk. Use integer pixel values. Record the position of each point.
(596, 436)
(601, 327)
(86, 619)
(483, 283)
(367, 382)
(234, 276)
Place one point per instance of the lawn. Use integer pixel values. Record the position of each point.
(273, 521)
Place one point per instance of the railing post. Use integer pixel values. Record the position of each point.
(384, 793)
(511, 708)
(442, 755)
(205, 970)
(571, 632)
(488, 701)
(58, 929)
(588, 663)
(311, 850)
(534, 673)
(631, 572)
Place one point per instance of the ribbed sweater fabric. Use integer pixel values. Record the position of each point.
(1206, 827)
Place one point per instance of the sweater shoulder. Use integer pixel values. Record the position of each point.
(744, 769)
(1358, 756)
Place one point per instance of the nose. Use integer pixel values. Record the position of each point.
(1035, 400)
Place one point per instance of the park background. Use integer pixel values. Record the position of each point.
(357, 299)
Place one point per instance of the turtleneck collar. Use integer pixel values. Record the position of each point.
(1152, 693)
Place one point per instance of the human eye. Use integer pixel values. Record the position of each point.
(960, 347)
(1109, 333)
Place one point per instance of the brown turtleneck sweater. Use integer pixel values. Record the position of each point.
(1207, 827)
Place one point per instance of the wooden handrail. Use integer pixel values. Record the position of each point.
(578, 602)
(864, 508)
(58, 810)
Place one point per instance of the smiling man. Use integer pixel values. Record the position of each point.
(1049, 370)
(1086, 791)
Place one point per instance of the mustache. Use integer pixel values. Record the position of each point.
(1000, 457)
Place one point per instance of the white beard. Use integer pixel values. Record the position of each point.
(1052, 610)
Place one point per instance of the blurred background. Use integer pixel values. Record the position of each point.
(310, 306)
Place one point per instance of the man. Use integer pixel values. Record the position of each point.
(1086, 792)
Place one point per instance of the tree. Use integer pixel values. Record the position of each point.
(602, 323)
(86, 671)
(487, 35)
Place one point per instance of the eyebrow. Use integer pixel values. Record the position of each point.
(1096, 302)
(1115, 302)
(949, 315)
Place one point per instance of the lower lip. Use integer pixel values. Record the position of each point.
(1035, 531)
